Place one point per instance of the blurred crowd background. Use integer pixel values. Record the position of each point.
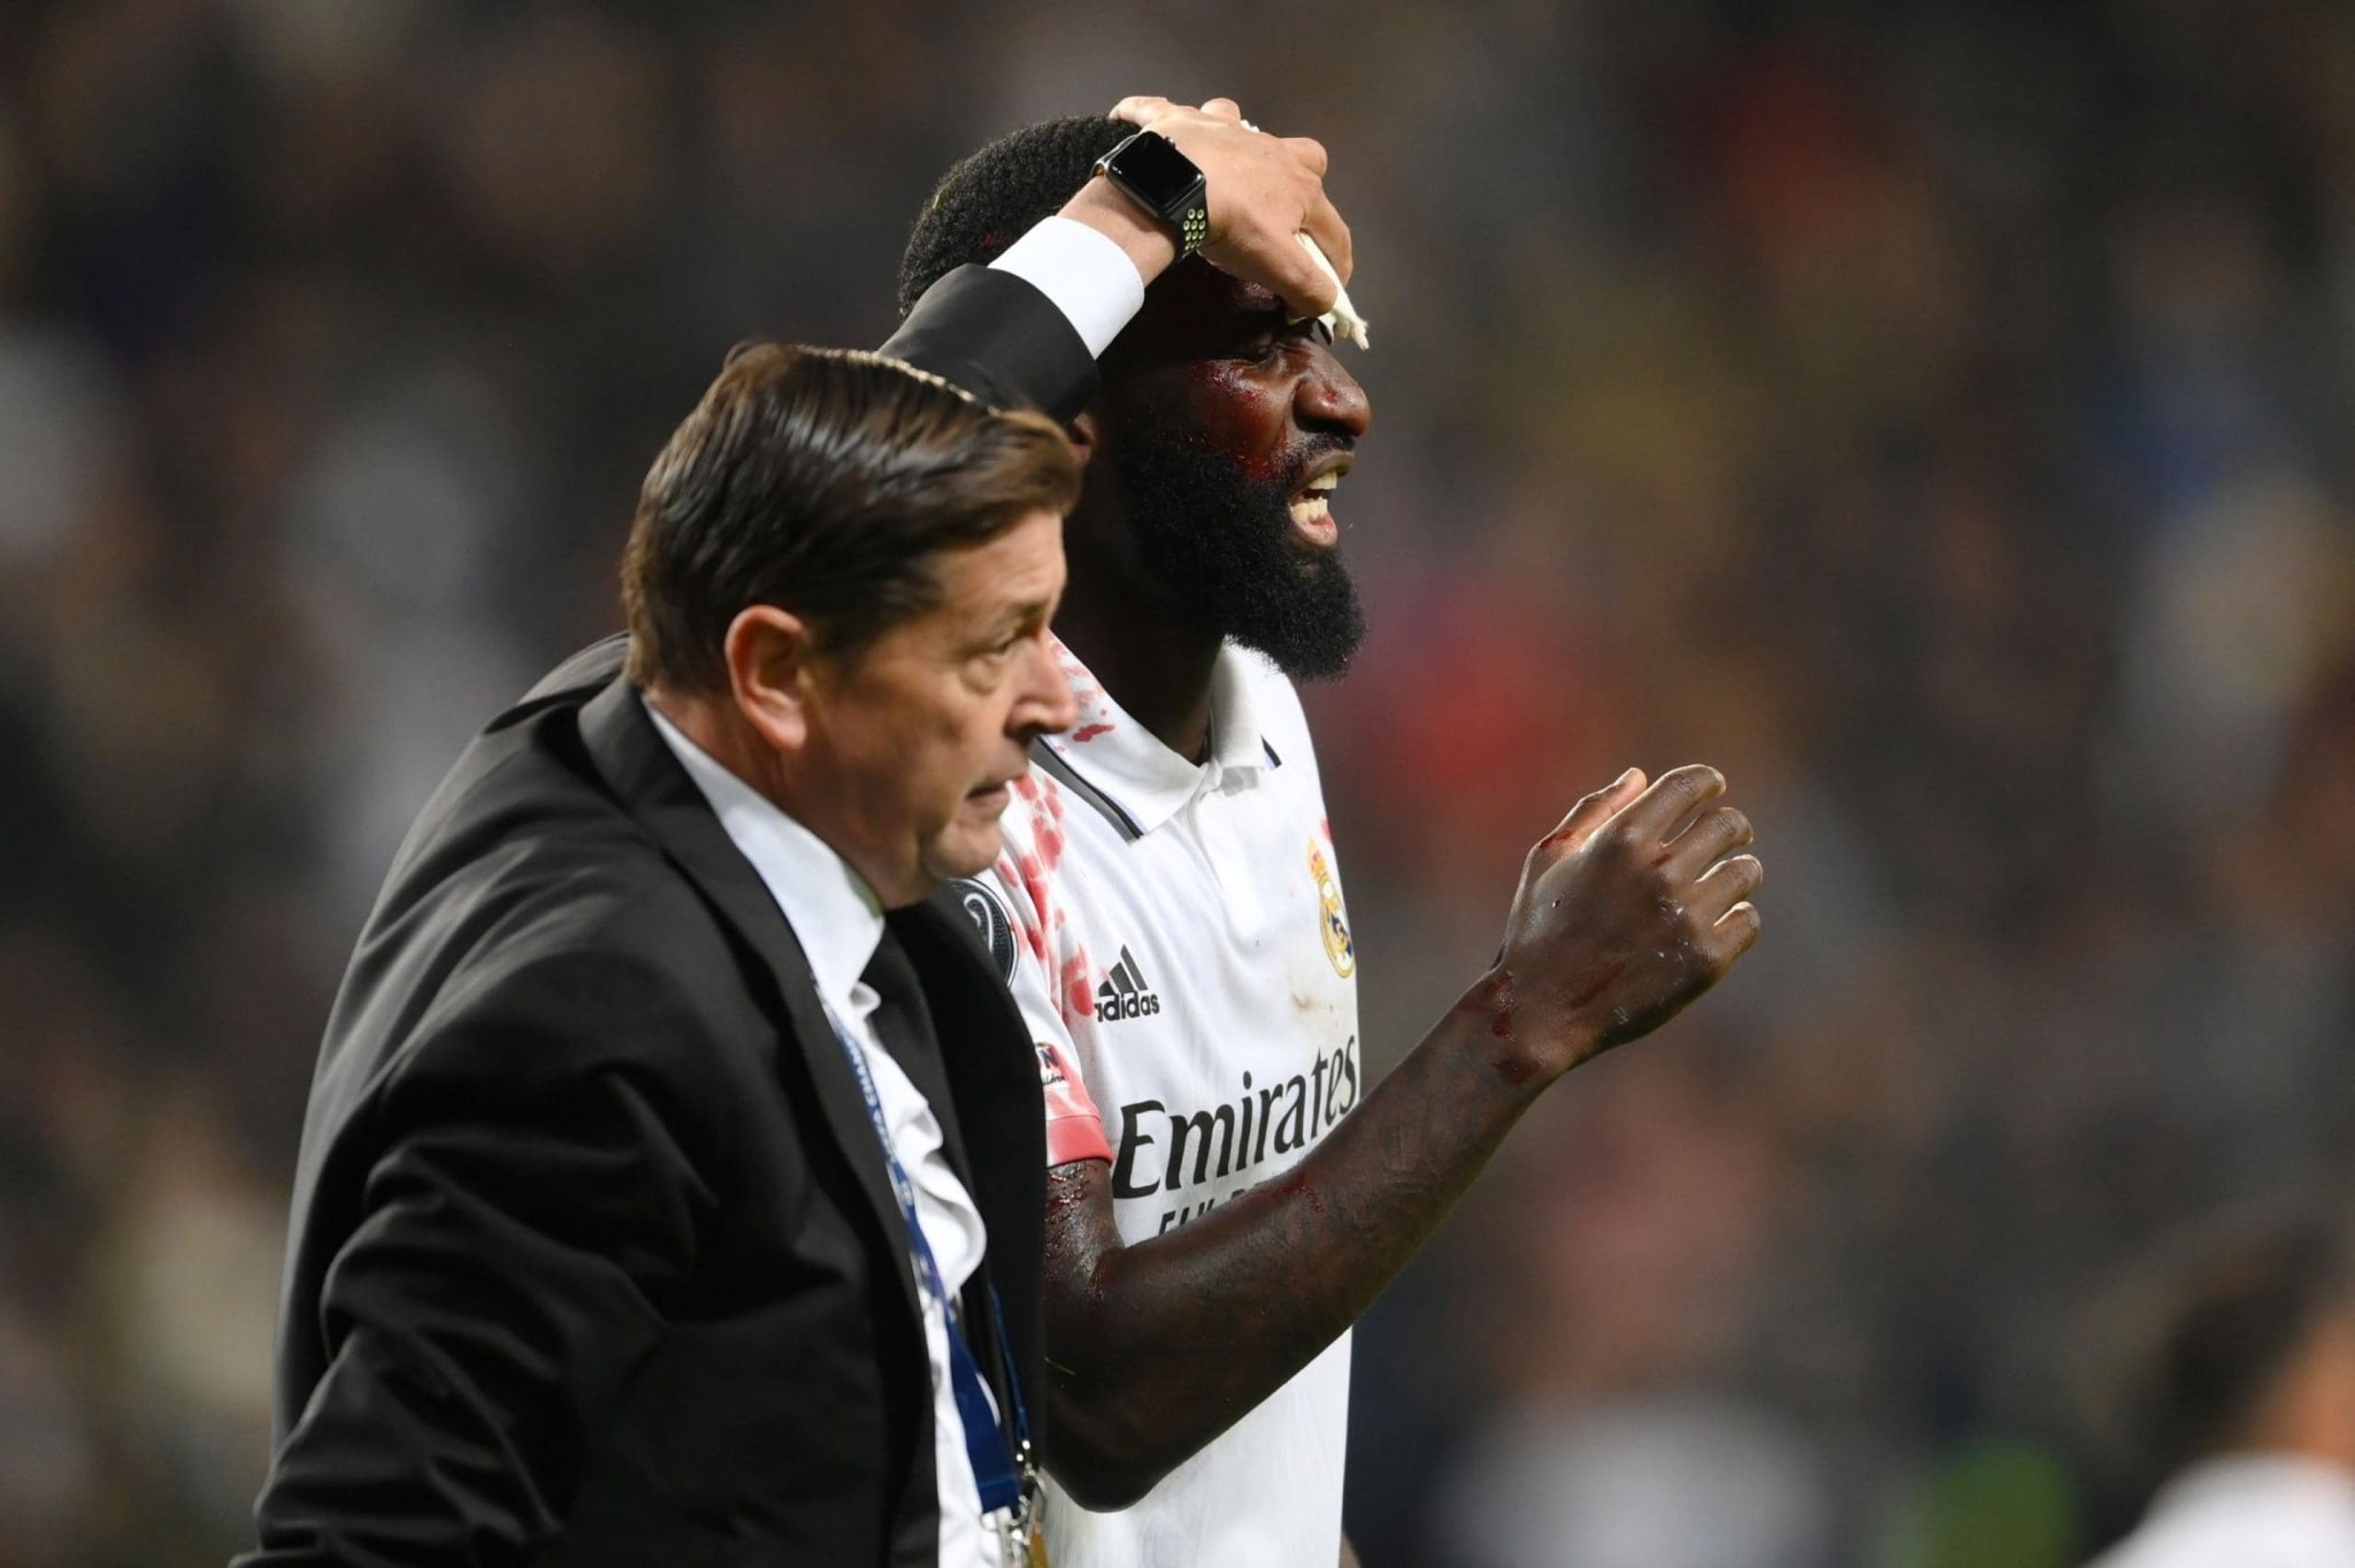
(1936, 415)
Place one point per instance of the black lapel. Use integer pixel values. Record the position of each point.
(639, 768)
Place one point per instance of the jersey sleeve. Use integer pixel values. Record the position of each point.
(1032, 954)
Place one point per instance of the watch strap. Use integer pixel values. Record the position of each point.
(1179, 197)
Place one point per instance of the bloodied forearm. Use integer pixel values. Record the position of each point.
(1636, 904)
(1157, 1347)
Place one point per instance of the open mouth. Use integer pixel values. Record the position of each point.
(1312, 510)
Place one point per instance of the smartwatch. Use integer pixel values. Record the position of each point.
(1150, 171)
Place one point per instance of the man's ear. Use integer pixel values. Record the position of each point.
(769, 653)
(1083, 433)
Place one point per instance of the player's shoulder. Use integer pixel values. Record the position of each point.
(1014, 902)
(1035, 810)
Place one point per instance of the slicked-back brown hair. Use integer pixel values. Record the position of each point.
(822, 481)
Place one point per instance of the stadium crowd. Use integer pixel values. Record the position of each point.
(1935, 418)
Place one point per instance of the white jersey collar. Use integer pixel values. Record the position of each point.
(1125, 762)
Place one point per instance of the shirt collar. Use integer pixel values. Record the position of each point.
(833, 913)
(1127, 761)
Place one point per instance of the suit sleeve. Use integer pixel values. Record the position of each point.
(997, 336)
(526, 1202)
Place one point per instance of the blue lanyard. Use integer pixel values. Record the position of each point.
(994, 1470)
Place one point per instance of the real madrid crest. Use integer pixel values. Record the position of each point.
(1338, 944)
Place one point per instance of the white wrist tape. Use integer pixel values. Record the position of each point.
(1343, 320)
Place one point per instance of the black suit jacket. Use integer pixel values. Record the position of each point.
(594, 1258)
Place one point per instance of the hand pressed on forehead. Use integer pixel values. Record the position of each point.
(1263, 192)
(1147, 111)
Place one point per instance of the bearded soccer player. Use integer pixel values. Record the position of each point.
(1226, 1192)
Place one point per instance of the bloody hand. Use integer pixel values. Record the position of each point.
(1636, 904)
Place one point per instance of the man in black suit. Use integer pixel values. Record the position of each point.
(670, 1191)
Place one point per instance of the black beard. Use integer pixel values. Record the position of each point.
(1222, 547)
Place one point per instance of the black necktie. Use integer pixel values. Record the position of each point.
(902, 1022)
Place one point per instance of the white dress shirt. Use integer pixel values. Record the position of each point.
(2246, 1511)
(839, 923)
(1083, 274)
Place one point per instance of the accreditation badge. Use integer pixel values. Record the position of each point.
(1022, 1542)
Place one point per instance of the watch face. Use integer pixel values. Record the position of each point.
(1154, 168)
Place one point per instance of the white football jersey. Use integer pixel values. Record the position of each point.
(1176, 935)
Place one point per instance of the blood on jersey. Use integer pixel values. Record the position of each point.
(1050, 1066)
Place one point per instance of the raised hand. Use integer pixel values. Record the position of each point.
(1636, 904)
(1633, 906)
(1262, 191)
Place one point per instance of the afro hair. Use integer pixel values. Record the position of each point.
(992, 198)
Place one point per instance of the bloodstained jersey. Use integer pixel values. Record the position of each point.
(1176, 937)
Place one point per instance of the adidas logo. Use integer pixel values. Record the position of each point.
(1124, 993)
